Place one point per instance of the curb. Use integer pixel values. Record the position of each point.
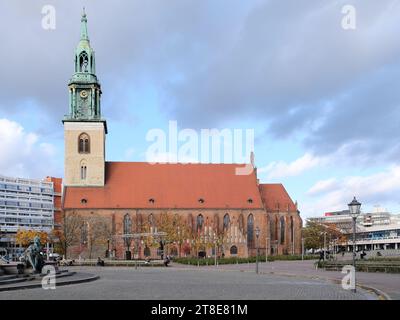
(58, 284)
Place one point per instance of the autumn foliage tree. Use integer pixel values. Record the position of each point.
(25, 237)
(314, 234)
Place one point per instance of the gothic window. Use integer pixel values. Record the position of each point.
(83, 62)
(127, 224)
(234, 250)
(282, 227)
(200, 222)
(127, 229)
(291, 229)
(250, 231)
(241, 222)
(84, 143)
(151, 220)
(226, 222)
(83, 172)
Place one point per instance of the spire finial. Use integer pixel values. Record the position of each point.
(84, 33)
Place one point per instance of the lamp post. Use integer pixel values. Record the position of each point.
(302, 248)
(266, 249)
(325, 246)
(258, 247)
(354, 208)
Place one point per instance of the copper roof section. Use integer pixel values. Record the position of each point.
(145, 185)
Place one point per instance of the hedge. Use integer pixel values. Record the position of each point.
(235, 260)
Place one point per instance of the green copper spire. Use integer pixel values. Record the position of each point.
(84, 32)
(84, 87)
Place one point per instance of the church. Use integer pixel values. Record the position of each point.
(211, 200)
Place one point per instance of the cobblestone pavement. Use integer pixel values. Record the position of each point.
(388, 283)
(186, 283)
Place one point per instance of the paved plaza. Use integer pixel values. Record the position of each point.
(182, 282)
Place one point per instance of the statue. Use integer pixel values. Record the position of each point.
(34, 256)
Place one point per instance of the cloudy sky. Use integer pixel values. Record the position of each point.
(323, 100)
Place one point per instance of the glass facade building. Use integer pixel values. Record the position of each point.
(24, 204)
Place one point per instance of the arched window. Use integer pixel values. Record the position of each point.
(84, 143)
(226, 222)
(127, 224)
(127, 230)
(234, 250)
(250, 231)
(241, 222)
(200, 222)
(282, 227)
(291, 230)
(151, 220)
(83, 172)
(83, 62)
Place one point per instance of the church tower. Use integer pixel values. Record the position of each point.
(84, 129)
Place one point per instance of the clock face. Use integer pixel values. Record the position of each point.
(83, 94)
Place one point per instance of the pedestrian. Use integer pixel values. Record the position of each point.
(321, 256)
(166, 261)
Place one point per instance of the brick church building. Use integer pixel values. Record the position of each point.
(211, 199)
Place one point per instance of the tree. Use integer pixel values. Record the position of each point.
(176, 231)
(314, 232)
(25, 237)
(99, 231)
(70, 231)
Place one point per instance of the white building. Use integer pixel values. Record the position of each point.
(24, 204)
(376, 230)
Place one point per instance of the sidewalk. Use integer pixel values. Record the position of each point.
(389, 283)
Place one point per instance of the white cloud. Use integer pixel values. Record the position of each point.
(334, 194)
(281, 169)
(322, 186)
(22, 154)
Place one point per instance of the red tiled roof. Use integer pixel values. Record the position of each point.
(133, 184)
(276, 198)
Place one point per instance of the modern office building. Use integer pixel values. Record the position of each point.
(24, 204)
(376, 230)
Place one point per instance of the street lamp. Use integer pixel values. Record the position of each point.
(258, 248)
(354, 208)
